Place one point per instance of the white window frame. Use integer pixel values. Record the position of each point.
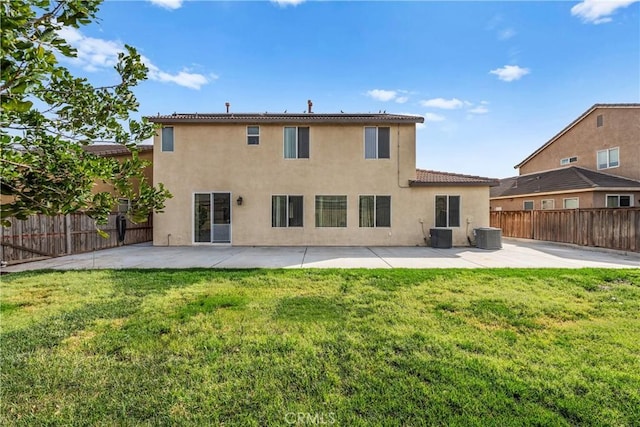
(524, 205)
(249, 135)
(564, 202)
(553, 204)
(608, 151)
(377, 145)
(288, 196)
(606, 200)
(297, 144)
(448, 210)
(375, 210)
(568, 160)
(599, 120)
(173, 139)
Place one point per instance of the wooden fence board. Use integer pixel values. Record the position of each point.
(599, 227)
(40, 235)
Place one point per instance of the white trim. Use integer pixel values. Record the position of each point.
(297, 157)
(553, 204)
(193, 218)
(607, 195)
(248, 135)
(564, 202)
(287, 205)
(364, 143)
(435, 216)
(607, 150)
(173, 137)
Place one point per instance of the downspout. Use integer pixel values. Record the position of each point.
(398, 158)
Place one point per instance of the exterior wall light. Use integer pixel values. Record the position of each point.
(239, 201)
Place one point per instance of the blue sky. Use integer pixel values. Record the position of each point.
(494, 80)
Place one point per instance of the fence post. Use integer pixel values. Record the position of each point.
(67, 233)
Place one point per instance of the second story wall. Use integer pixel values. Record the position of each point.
(615, 132)
(218, 156)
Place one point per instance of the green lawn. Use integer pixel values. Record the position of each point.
(342, 347)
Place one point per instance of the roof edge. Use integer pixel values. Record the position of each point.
(571, 125)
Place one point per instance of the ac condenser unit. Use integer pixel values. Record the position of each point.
(488, 238)
(441, 238)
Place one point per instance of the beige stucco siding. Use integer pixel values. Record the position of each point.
(620, 129)
(586, 199)
(216, 158)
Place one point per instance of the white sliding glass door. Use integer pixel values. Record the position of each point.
(212, 218)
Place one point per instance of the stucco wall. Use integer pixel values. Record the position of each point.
(588, 199)
(620, 128)
(148, 171)
(216, 158)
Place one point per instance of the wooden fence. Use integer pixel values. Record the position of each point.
(42, 236)
(604, 228)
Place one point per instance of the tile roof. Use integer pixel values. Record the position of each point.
(435, 178)
(572, 124)
(104, 150)
(256, 118)
(558, 180)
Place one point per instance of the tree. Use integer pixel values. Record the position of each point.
(47, 115)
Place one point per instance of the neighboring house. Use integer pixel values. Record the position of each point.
(120, 152)
(593, 162)
(306, 179)
(117, 151)
(567, 188)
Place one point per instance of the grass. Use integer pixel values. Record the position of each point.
(343, 347)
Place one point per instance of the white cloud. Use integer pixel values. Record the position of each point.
(183, 78)
(509, 73)
(285, 3)
(168, 4)
(480, 109)
(382, 95)
(445, 104)
(432, 117)
(506, 34)
(402, 99)
(95, 54)
(598, 11)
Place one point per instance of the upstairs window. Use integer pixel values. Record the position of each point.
(376, 142)
(599, 120)
(167, 139)
(375, 211)
(568, 160)
(296, 142)
(286, 211)
(609, 158)
(447, 211)
(253, 135)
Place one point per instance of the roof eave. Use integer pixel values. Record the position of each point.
(453, 184)
(571, 125)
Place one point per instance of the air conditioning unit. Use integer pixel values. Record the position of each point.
(441, 238)
(488, 238)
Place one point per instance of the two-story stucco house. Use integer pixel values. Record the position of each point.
(306, 179)
(594, 162)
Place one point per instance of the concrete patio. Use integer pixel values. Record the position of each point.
(515, 254)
